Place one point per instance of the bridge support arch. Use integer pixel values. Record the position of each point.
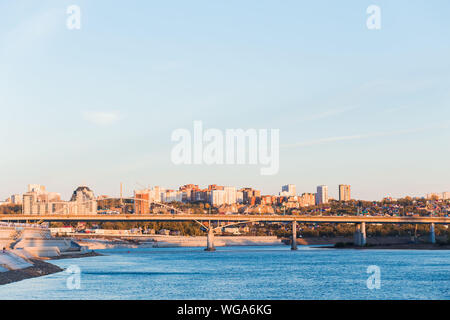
(210, 240)
(432, 234)
(360, 238)
(294, 235)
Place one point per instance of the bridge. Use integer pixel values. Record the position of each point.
(234, 219)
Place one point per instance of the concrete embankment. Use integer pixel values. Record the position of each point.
(30, 269)
(24, 246)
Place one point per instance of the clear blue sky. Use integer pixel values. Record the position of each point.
(97, 106)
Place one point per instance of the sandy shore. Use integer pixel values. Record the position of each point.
(76, 255)
(160, 241)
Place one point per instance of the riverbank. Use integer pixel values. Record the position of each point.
(376, 241)
(402, 246)
(31, 268)
(38, 269)
(161, 241)
(77, 255)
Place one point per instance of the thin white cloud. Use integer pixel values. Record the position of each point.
(395, 109)
(328, 113)
(365, 136)
(32, 32)
(101, 118)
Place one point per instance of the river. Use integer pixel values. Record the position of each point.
(273, 272)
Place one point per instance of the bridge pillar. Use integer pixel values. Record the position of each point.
(356, 236)
(359, 239)
(363, 234)
(432, 234)
(210, 240)
(294, 235)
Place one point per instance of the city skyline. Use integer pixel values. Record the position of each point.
(357, 106)
(217, 195)
(224, 156)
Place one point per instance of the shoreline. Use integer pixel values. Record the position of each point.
(92, 253)
(41, 267)
(377, 242)
(405, 246)
(38, 269)
(160, 241)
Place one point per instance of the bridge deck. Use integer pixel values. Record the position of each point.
(229, 218)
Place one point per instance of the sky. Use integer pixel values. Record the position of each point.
(97, 106)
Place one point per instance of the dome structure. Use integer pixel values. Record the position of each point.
(83, 191)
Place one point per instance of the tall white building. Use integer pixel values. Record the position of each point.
(217, 197)
(288, 190)
(227, 195)
(322, 195)
(172, 196)
(230, 195)
(240, 197)
(157, 193)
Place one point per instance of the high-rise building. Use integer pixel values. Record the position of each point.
(307, 199)
(38, 201)
(230, 195)
(82, 202)
(251, 196)
(157, 193)
(29, 199)
(189, 191)
(288, 190)
(239, 197)
(344, 192)
(217, 197)
(445, 195)
(322, 195)
(142, 201)
(172, 196)
(222, 195)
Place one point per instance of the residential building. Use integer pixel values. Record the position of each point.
(142, 201)
(288, 190)
(322, 194)
(16, 199)
(344, 192)
(230, 195)
(307, 199)
(37, 201)
(217, 197)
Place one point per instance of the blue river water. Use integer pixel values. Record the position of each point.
(273, 272)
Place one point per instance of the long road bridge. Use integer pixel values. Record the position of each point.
(233, 219)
